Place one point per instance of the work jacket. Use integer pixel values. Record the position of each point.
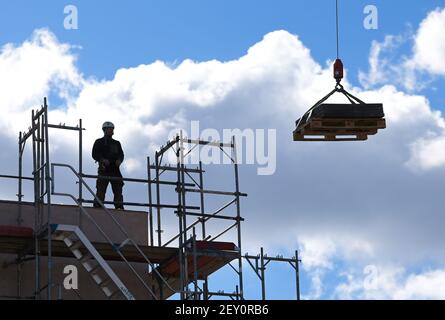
(109, 149)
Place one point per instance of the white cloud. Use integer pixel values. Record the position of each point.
(428, 285)
(391, 282)
(428, 153)
(30, 71)
(388, 67)
(429, 48)
(317, 252)
(316, 289)
(415, 71)
(381, 69)
(429, 55)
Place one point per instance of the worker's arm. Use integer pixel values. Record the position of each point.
(97, 154)
(121, 153)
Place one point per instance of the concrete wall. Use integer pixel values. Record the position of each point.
(133, 221)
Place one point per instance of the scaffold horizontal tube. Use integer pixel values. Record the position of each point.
(203, 215)
(90, 176)
(216, 192)
(15, 177)
(208, 143)
(168, 146)
(136, 204)
(175, 169)
(58, 126)
(271, 258)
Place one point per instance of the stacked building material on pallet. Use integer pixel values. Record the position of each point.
(340, 122)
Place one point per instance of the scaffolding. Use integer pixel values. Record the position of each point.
(197, 253)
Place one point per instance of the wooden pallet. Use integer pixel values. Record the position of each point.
(331, 129)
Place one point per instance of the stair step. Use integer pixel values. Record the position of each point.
(76, 245)
(61, 235)
(87, 257)
(68, 241)
(115, 294)
(106, 282)
(89, 266)
(97, 278)
(77, 253)
(91, 269)
(107, 291)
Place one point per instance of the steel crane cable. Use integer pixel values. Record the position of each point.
(337, 28)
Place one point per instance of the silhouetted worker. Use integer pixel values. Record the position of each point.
(108, 153)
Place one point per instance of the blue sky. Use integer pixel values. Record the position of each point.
(126, 34)
(118, 35)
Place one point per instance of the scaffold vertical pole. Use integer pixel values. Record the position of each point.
(263, 279)
(48, 202)
(35, 159)
(238, 215)
(297, 273)
(201, 187)
(20, 181)
(203, 220)
(181, 237)
(195, 266)
(150, 202)
(183, 203)
(80, 169)
(158, 200)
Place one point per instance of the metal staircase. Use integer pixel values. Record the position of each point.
(90, 258)
(94, 264)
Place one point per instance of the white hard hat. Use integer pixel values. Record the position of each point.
(107, 125)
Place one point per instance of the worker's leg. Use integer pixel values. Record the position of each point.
(101, 190)
(118, 197)
(117, 187)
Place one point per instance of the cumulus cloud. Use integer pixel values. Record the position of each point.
(429, 56)
(382, 69)
(320, 251)
(338, 201)
(34, 68)
(429, 48)
(416, 70)
(391, 282)
(427, 153)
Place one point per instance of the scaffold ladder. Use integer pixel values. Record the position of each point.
(91, 260)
